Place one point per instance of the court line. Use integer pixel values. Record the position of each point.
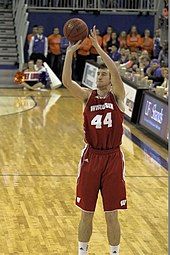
(147, 149)
(22, 111)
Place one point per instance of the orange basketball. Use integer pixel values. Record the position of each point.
(19, 77)
(75, 29)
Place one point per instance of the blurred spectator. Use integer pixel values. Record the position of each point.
(144, 64)
(147, 42)
(122, 39)
(93, 52)
(112, 42)
(31, 81)
(144, 53)
(55, 56)
(165, 9)
(38, 46)
(165, 83)
(39, 66)
(107, 37)
(163, 54)
(164, 71)
(114, 53)
(64, 43)
(157, 43)
(133, 39)
(34, 32)
(83, 53)
(132, 64)
(125, 54)
(154, 73)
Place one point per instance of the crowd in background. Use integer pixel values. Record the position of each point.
(143, 56)
(139, 54)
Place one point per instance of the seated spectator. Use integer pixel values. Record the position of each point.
(114, 53)
(133, 39)
(163, 55)
(147, 42)
(107, 37)
(165, 83)
(112, 42)
(31, 80)
(125, 53)
(93, 51)
(162, 90)
(54, 55)
(132, 64)
(38, 46)
(144, 64)
(39, 66)
(154, 73)
(34, 33)
(122, 39)
(144, 53)
(157, 43)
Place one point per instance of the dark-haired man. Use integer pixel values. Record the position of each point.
(102, 162)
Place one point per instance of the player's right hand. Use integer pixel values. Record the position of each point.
(74, 47)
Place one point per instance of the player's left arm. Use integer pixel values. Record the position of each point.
(118, 88)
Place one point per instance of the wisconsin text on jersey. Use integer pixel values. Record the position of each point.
(101, 107)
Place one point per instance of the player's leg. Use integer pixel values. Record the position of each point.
(113, 231)
(113, 192)
(85, 232)
(88, 184)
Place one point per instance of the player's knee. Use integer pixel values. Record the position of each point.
(86, 217)
(111, 217)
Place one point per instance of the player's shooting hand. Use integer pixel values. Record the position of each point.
(93, 37)
(74, 47)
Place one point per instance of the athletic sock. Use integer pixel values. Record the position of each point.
(82, 249)
(114, 250)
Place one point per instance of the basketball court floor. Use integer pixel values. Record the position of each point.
(41, 141)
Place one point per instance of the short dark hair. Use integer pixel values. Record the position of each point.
(102, 66)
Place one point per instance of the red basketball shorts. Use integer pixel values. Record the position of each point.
(101, 170)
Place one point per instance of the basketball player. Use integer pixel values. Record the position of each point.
(101, 164)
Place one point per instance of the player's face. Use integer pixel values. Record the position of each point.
(103, 79)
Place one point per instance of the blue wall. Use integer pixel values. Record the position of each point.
(118, 22)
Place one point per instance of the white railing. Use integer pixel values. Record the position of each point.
(98, 5)
(21, 27)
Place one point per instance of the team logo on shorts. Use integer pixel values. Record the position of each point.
(78, 199)
(123, 202)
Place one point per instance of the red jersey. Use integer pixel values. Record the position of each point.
(103, 122)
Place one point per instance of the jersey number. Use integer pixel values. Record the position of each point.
(97, 120)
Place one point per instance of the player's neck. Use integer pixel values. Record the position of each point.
(102, 93)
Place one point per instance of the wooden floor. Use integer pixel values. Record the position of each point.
(41, 140)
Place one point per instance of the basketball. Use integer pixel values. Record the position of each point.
(75, 29)
(19, 77)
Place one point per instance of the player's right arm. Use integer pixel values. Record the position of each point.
(75, 89)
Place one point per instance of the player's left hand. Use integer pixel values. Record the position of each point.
(93, 37)
(74, 47)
